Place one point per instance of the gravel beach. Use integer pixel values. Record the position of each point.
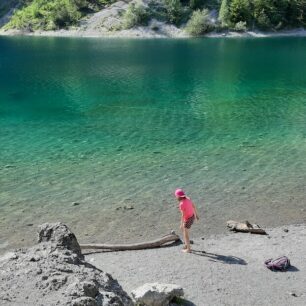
(222, 270)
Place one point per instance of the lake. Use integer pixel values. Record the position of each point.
(98, 133)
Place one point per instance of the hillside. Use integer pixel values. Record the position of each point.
(196, 17)
(7, 9)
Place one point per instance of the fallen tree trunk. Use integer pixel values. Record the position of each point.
(172, 237)
(245, 227)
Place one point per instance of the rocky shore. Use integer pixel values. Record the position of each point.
(54, 272)
(221, 270)
(155, 29)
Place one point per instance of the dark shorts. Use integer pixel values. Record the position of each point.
(189, 222)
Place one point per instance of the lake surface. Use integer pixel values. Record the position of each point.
(88, 126)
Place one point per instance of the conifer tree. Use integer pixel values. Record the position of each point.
(224, 13)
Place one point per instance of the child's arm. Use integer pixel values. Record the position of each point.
(182, 220)
(195, 212)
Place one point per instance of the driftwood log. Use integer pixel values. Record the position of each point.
(245, 227)
(172, 237)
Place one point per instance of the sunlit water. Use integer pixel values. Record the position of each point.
(113, 123)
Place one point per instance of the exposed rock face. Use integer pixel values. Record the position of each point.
(156, 294)
(55, 273)
(109, 19)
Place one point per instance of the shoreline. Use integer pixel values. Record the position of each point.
(147, 33)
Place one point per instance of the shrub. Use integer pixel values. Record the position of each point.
(174, 11)
(240, 26)
(199, 23)
(51, 15)
(136, 14)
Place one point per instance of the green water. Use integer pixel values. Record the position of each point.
(113, 123)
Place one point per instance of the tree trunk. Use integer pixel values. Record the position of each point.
(134, 246)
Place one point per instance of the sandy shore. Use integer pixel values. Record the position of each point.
(231, 272)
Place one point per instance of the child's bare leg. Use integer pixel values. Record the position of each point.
(187, 241)
(183, 232)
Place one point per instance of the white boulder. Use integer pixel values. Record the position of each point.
(155, 294)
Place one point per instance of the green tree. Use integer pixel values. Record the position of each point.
(197, 4)
(174, 11)
(241, 10)
(224, 13)
(296, 13)
(270, 14)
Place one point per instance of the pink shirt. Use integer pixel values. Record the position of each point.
(186, 206)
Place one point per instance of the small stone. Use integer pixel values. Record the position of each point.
(30, 224)
(75, 203)
(202, 238)
(293, 294)
(128, 207)
(286, 230)
(39, 271)
(35, 258)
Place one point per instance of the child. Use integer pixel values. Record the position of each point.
(189, 213)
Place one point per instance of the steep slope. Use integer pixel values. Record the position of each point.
(7, 8)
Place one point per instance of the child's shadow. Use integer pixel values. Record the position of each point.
(231, 260)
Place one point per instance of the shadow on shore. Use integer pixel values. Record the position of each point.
(290, 269)
(181, 302)
(231, 260)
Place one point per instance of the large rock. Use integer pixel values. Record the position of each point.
(156, 294)
(59, 237)
(55, 273)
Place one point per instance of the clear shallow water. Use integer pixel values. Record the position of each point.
(109, 123)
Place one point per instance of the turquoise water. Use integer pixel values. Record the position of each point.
(114, 123)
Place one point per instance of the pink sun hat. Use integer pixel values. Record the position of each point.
(179, 193)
